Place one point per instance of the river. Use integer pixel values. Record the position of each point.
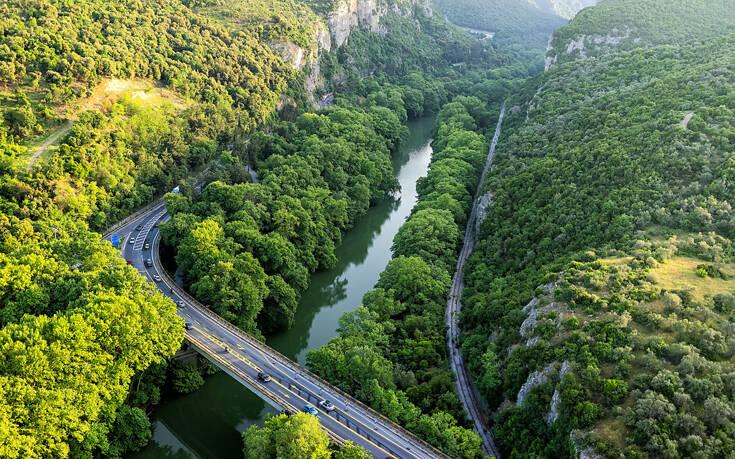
(208, 423)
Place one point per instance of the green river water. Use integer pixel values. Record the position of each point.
(208, 423)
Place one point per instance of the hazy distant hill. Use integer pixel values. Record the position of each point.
(564, 8)
(511, 20)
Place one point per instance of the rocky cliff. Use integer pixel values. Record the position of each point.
(336, 28)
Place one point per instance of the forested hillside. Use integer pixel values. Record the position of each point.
(622, 25)
(598, 311)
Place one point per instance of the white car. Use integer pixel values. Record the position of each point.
(327, 405)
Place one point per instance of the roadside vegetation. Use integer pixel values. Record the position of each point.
(298, 435)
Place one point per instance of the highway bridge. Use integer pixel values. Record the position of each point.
(243, 357)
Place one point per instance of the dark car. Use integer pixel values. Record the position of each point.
(265, 377)
(139, 228)
(188, 325)
(149, 263)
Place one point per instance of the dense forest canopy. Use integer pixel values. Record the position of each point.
(143, 96)
(597, 314)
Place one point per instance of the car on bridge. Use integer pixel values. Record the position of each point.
(265, 377)
(327, 405)
(309, 408)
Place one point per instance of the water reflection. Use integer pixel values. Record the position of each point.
(209, 422)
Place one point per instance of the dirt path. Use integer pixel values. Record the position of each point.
(471, 399)
(686, 120)
(39, 151)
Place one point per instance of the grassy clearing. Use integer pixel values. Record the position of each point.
(143, 93)
(612, 430)
(679, 273)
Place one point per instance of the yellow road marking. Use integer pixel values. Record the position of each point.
(359, 422)
(298, 396)
(346, 415)
(343, 425)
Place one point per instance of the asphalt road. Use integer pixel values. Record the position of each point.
(243, 357)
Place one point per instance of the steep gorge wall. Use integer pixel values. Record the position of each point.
(336, 29)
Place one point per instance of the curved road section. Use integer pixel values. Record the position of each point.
(291, 387)
(473, 402)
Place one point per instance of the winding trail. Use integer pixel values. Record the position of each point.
(471, 399)
(64, 129)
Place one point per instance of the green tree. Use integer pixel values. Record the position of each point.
(284, 436)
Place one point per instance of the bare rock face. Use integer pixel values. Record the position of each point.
(483, 206)
(580, 46)
(353, 13)
(368, 13)
(347, 17)
(534, 379)
(553, 413)
(292, 54)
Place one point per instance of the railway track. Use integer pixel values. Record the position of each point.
(471, 399)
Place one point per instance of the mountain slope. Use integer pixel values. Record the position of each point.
(621, 25)
(598, 313)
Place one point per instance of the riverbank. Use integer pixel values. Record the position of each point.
(208, 422)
